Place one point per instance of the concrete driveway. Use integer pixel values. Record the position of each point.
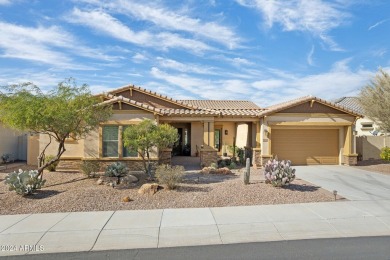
(351, 183)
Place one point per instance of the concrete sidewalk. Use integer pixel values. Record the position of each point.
(85, 231)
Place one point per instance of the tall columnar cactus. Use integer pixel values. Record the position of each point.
(24, 182)
(279, 173)
(247, 171)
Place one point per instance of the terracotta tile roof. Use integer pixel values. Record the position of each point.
(173, 111)
(294, 102)
(351, 103)
(222, 104)
(227, 107)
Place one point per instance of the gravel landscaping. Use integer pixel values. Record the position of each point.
(72, 191)
(380, 166)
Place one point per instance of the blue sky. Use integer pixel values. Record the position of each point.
(260, 50)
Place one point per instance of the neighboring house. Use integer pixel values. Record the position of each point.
(14, 143)
(308, 130)
(370, 140)
(364, 126)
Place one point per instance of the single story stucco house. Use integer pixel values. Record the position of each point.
(308, 130)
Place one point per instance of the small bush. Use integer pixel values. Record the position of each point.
(24, 182)
(214, 165)
(90, 168)
(116, 169)
(169, 175)
(222, 164)
(232, 166)
(51, 167)
(385, 153)
(5, 158)
(279, 173)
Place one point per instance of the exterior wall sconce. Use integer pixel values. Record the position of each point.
(226, 132)
(266, 133)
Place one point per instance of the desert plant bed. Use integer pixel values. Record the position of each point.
(72, 191)
(380, 166)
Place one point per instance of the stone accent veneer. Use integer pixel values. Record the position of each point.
(350, 159)
(207, 157)
(256, 160)
(166, 156)
(264, 159)
(69, 164)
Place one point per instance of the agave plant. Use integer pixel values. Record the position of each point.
(116, 169)
(279, 173)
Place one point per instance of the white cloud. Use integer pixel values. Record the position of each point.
(138, 58)
(186, 67)
(5, 2)
(377, 24)
(107, 24)
(162, 17)
(314, 16)
(310, 56)
(40, 44)
(278, 87)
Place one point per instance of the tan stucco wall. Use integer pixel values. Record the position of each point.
(74, 148)
(370, 146)
(365, 132)
(242, 139)
(32, 150)
(9, 141)
(196, 136)
(229, 138)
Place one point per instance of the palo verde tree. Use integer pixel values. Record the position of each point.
(67, 110)
(375, 100)
(146, 136)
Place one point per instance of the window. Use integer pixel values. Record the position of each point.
(110, 141)
(217, 139)
(126, 151)
(112, 145)
(367, 126)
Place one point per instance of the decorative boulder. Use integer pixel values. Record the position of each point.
(128, 179)
(109, 181)
(126, 199)
(149, 188)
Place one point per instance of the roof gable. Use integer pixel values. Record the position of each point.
(122, 103)
(308, 104)
(149, 98)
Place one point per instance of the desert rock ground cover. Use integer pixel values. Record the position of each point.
(380, 166)
(72, 191)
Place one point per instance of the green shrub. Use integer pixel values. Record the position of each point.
(90, 168)
(214, 165)
(24, 182)
(5, 158)
(279, 173)
(169, 175)
(52, 167)
(116, 169)
(385, 153)
(232, 166)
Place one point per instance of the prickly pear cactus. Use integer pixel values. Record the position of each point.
(24, 182)
(279, 173)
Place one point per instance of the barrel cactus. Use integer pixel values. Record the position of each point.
(24, 182)
(279, 173)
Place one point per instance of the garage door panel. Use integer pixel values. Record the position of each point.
(306, 146)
